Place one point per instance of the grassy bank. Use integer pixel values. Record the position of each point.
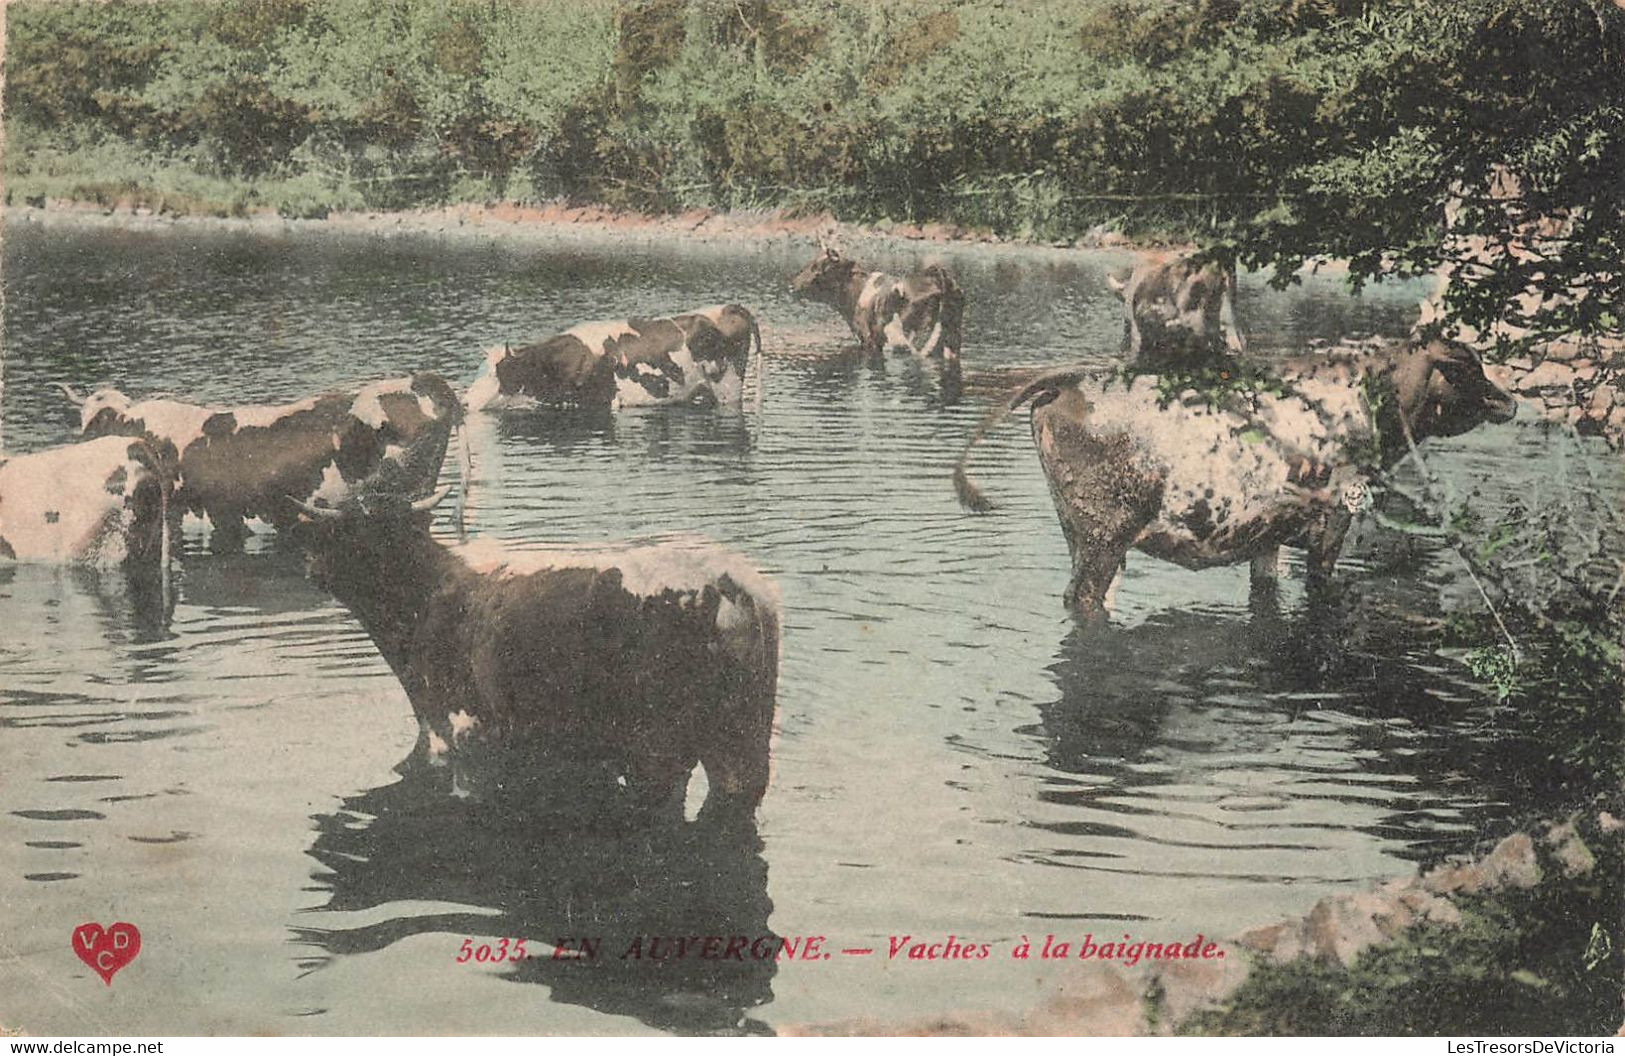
(971, 115)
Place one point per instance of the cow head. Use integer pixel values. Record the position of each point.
(369, 526)
(1441, 390)
(104, 412)
(824, 276)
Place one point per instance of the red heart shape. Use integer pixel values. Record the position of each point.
(106, 950)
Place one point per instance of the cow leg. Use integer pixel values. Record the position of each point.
(737, 768)
(226, 531)
(1104, 496)
(950, 378)
(418, 757)
(1324, 546)
(658, 787)
(1265, 567)
(1094, 571)
(1264, 584)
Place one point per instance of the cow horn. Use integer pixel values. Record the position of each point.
(320, 513)
(429, 502)
(73, 396)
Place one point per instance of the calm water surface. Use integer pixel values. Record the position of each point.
(955, 756)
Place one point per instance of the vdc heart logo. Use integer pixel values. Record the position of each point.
(106, 950)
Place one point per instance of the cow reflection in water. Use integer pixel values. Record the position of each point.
(1220, 708)
(1119, 686)
(408, 842)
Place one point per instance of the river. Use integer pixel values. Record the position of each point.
(955, 757)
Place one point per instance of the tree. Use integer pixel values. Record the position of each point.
(1507, 115)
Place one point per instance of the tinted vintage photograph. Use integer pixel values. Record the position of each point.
(812, 517)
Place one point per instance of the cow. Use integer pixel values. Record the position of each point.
(648, 659)
(103, 502)
(922, 312)
(1178, 314)
(698, 356)
(1203, 484)
(245, 461)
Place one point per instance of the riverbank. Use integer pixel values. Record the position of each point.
(557, 220)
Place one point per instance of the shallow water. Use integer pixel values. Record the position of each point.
(955, 757)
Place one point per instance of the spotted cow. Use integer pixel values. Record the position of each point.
(103, 502)
(1203, 485)
(650, 659)
(1178, 313)
(921, 313)
(246, 461)
(698, 356)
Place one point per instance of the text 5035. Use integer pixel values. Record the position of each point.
(485, 952)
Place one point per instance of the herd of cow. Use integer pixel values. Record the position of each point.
(655, 659)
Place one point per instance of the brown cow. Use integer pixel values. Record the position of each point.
(245, 461)
(650, 659)
(698, 355)
(1178, 314)
(922, 312)
(1202, 486)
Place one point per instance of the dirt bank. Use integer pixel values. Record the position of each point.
(561, 222)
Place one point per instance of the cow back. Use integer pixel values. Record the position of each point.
(97, 502)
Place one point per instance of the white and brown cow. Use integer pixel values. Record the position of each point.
(1203, 485)
(698, 356)
(922, 312)
(245, 461)
(102, 502)
(649, 660)
(1179, 313)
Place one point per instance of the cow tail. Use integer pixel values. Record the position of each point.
(950, 313)
(761, 366)
(1227, 314)
(971, 496)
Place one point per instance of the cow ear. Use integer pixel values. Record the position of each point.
(1453, 361)
(1117, 285)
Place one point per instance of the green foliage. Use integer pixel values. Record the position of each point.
(1238, 385)
(1422, 105)
(1497, 666)
(1551, 651)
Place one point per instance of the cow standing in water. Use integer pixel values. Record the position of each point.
(245, 461)
(634, 663)
(1179, 314)
(696, 356)
(103, 502)
(1201, 486)
(921, 313)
